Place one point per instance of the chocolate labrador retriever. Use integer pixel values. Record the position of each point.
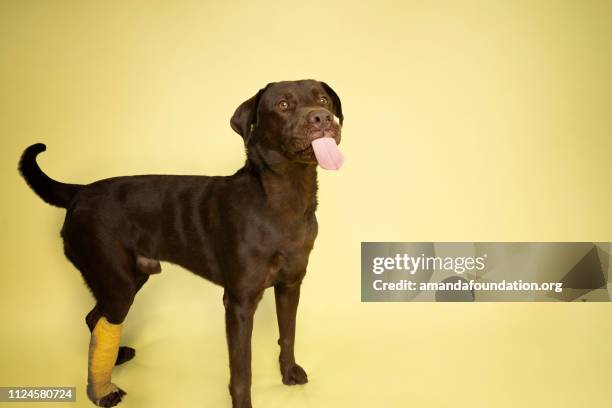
(246, 232)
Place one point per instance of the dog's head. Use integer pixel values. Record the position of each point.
(287, 117)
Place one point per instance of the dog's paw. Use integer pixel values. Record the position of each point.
(293, 375)
(111, 399)
(125, 354)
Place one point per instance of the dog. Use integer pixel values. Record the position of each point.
(245, 232)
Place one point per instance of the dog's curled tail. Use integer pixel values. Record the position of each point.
(51, 191)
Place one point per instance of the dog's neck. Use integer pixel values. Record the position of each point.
(289, 186)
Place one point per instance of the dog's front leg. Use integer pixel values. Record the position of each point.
(239, 313)
(287, 299)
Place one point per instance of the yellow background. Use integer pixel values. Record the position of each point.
(465, 121)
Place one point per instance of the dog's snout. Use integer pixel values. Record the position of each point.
(320, 118)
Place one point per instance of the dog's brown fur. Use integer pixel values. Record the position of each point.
(246, 232)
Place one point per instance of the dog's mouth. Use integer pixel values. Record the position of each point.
(320, 146)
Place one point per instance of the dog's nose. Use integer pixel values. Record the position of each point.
(320, 118)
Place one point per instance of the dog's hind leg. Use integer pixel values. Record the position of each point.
(115, 295)
(103, 351)
(104, 346)
(125, 353)
(109, 270)
(105, 321)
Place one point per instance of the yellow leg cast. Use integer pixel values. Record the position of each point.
(103, 349)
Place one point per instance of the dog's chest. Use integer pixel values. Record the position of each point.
(290, 256)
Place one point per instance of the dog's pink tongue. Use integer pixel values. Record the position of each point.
(327, 153)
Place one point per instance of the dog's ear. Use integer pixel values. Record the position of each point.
(245, 116)
(336, 101)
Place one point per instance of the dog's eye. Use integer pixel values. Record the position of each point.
(283, 105)
(323, 100)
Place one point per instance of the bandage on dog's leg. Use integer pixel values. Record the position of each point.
(103, 349)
